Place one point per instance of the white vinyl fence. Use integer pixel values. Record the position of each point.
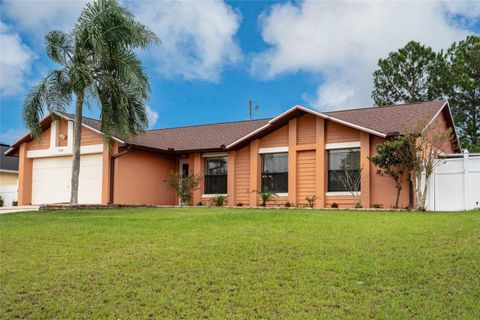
(9, 194)
(455, 184)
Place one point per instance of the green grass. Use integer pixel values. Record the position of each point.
(225, 263)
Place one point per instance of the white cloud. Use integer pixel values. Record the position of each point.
(152, 116)
(342, 42)
(197, 38)
(12, 135)
(15, 61)
(38, 17)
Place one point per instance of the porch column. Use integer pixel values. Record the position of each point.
(24, 177)
(292, 161)
(365, 164)
(255, 179)
(320, 163)
(232, 155)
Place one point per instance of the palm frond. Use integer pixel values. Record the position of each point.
(59, 46)
(53, 93)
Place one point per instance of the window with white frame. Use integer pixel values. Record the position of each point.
(216, 175)
(343, 164)
(275, 172)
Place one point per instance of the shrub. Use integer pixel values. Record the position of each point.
(199, 204)
(219, 200)
(377, 205)
(15, 203)
(265, 196)
(311, 201)
(239, 204)
(358, 205)
(1, 201)
(287, 204)
(334, 205)
(184, 185)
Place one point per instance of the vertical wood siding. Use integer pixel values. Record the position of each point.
(242, 176)
(306, 127)
(278, 138)
(336, 133)
(306, 186)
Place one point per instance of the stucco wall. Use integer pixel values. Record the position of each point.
(140, 178)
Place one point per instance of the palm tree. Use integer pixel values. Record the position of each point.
(97, 64)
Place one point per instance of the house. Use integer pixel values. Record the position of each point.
(295, 154)
(8, 177)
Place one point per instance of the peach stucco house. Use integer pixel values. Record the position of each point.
(294, 154)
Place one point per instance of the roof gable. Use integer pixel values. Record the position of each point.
(380, 121)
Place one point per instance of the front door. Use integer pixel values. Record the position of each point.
(183, 169)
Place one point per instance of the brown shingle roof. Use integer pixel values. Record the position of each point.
(201, 137)
(381, 120)
(197, 137)
(388, 119)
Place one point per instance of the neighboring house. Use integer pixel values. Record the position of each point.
(294, 154)
(8, 177)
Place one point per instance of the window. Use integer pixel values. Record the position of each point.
(216, 176)
(275, 172)
(343, 163)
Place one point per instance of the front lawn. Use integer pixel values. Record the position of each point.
(227, 263)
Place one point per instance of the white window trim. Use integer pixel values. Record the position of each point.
(213, 195)
(273, 150)
(282, 194)
(214, 155)
(340, 193)
(342, 145)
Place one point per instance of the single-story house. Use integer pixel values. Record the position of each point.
(295, 155)
(8, 177)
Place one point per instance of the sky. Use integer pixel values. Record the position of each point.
(216, 56)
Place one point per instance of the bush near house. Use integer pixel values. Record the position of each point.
(239, 264)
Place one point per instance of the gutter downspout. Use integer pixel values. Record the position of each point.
(112, 170)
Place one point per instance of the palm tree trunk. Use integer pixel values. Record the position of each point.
(77, 133)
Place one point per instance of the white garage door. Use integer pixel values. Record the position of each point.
(51, 179)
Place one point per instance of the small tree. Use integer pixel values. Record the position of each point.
(184, 185)
(423, 154)
(389, 162)
(350, 180)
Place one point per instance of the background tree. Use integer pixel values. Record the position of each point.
(407, 75)
(461, 85)
(390, 162)
(97, 64)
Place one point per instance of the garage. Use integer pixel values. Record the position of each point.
(51, 179)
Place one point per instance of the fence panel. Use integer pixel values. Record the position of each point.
(455, 184)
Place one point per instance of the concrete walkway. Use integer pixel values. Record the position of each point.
(18, 209)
